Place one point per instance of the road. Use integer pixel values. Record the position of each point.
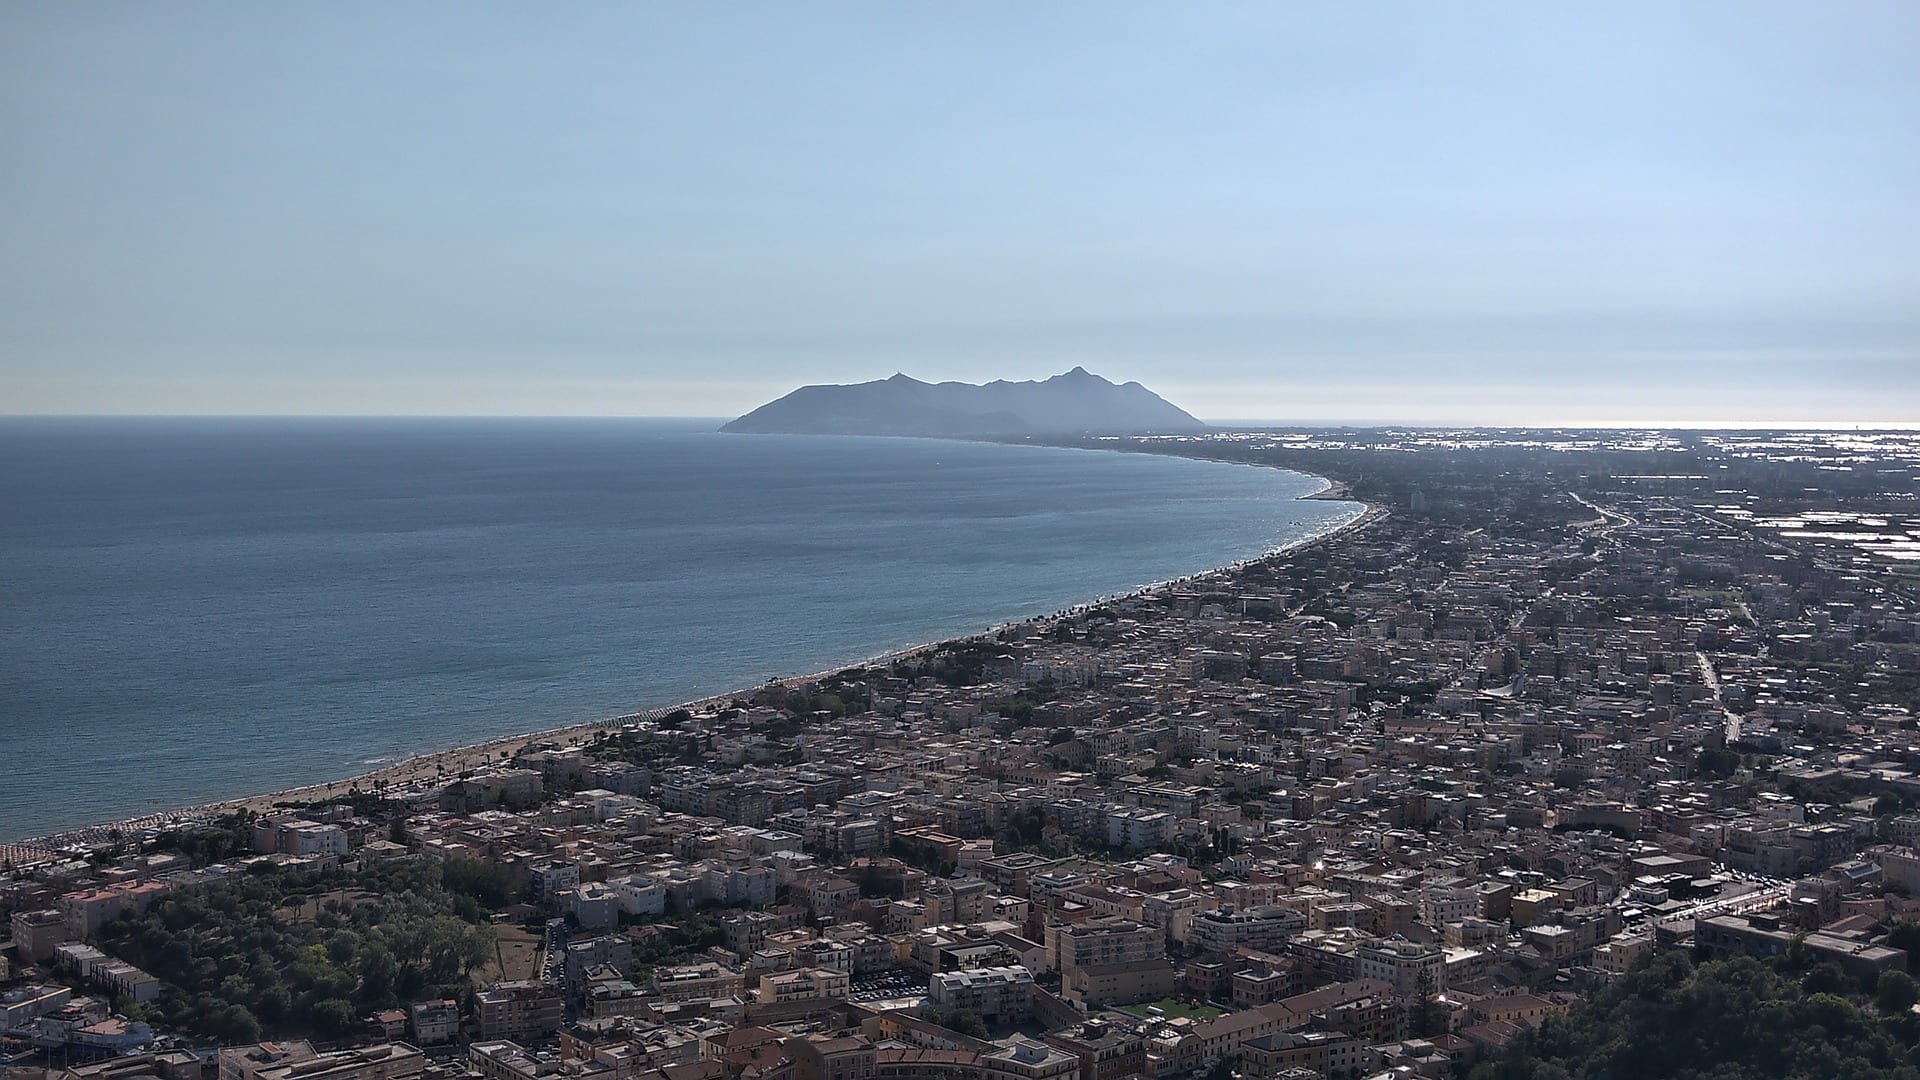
(1744, 904)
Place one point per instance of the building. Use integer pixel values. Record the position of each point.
(1106, 1051)
(1023, 1059)
(387, 1024)
(283, 834)
(518, 1009)
(1764, 935)
(607, 950)
(36, 934)
(1013, 872)
(22, 1005)
(1111, 960)
(1327, 1053)
(638, 895)
(504, 1060)
(992, 993)
(1094, 985)
(956, 900)
(548, 880)
(804, 984)
(117, 977)
(246, 1062)
(1100, 942)
(436, 1022)
(594, 906)
(695, 982)
(79, 1031)
(1267, 928)
(1415, 970)
(1139, 829)
(385, 1061)
(820, 1057)
(616, 997)
(1440, 906)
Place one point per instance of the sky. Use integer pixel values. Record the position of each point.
(1533, 212)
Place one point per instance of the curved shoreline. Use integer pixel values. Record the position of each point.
(431, 766)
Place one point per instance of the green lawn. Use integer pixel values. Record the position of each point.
(1172, 1008)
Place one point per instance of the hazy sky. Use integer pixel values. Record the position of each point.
(1494, 212)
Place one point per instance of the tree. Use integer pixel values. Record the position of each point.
(1728, 1019)
(333, 1015)
(966, 1022)
(1797, 956)
(1905, 934)
(236, 1024)
(342, 945)
(1720, 763)
(1428, 1016)
(234, 944)
(1896, 992)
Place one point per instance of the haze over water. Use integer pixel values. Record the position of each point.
(201, 609)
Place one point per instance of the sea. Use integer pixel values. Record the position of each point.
(199, 609)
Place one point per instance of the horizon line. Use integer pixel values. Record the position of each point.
(1222, 426)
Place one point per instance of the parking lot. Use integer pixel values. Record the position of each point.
(897, 984)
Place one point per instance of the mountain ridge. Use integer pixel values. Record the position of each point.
(1072, 402)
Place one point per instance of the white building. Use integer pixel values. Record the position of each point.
(550, 879)
(1415, 970)
(1136, 829)
(639, 895)
(989, 992)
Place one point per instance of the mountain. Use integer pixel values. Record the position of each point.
(1071, 403)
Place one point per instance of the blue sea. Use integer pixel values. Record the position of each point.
(201, 609)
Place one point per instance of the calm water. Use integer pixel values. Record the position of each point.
(192, 610)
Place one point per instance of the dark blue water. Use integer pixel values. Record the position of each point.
(200, 609)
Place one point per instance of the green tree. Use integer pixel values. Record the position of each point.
(235, 1024)
(1729, 1019)
(334, 1016)
(1896, 992)
(342, 945)
(966, 1022)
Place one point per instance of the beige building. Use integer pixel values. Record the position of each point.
(1120, 984)
(436, 1022)
(1024, 1059)
(696, 982)
(513, 1009)
(246, 1062)
(1102, 942)
(818, 1057)
(386, 1061)
(804, 984)
(1415, 970)
(1327, 1053)
(36, 934)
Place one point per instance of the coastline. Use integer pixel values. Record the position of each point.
(435, 767)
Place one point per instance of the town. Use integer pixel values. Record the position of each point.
(1557, 707)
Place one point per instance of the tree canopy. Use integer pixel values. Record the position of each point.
(258, 952)
(1731, 1019)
